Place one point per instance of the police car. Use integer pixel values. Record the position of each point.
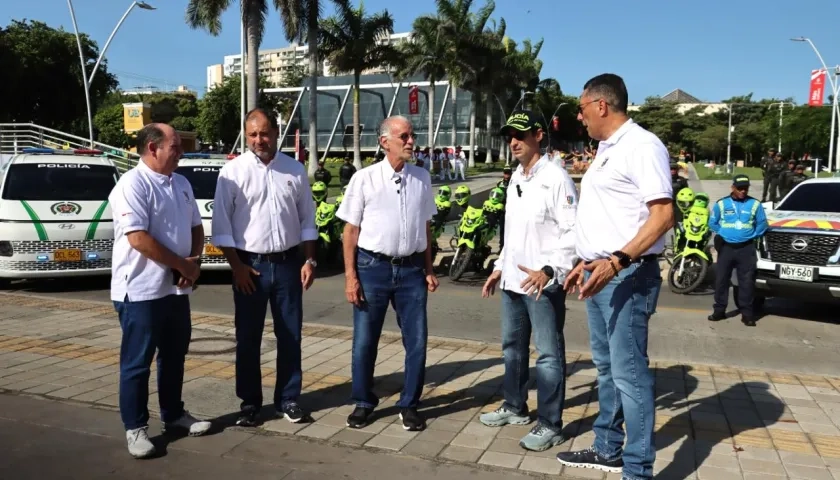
(202, 171)
(799, 256)
(55, 220)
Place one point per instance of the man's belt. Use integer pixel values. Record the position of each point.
(393, 260)
(651, 257)
(275, 257)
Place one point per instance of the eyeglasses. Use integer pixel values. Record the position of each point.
(583, 106)
(405, 136)
(517, 134)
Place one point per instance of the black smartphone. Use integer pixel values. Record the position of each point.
(176, 277)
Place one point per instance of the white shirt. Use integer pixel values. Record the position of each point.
(630, 169)
(263, 208)
(392, 216)
(539, 225)
(165, 208)
(458, 157)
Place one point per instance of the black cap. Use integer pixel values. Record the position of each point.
(741, 181)
(507, 169)
(799, 167)
(522, 120)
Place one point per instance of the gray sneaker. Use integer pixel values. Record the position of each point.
(502, 416)
(541, 438)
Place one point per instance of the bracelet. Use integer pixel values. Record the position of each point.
(615, 269)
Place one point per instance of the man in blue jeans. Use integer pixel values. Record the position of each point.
(624, 213)
(157, 242)
(263, 213)
(388, 208)
(539, 250)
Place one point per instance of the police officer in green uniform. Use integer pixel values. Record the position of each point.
(738, 220)
(798, 176)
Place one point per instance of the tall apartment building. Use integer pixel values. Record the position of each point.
(274, 63)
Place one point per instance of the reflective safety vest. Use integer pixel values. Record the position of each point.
(733, 217)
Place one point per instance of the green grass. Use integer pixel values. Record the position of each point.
(704, 173)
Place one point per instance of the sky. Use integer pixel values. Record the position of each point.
(713, 49)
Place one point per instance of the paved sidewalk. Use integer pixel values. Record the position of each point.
(712, 421)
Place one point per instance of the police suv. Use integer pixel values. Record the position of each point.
(203, 171)
(55, 220)
(799, 256)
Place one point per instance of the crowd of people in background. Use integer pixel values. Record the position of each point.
(779, 176)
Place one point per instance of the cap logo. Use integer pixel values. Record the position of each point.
(517, 117)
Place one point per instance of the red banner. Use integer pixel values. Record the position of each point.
(413, 101)
(815, 96)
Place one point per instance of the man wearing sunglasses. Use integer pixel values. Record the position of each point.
(539, 250)
(388, 208)
(738, 220)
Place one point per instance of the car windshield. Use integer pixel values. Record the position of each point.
(813, 197)
(203, 180)
(59, 181)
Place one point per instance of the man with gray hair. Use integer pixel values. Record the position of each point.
(388, 207)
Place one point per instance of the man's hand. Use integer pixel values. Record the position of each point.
(307, 275)
(353, 290)
(574, 280)
(536, 281)
(432, 282)
(189, 270)
(242, 278)
(185, 282)
(490, 285)
(602, 272)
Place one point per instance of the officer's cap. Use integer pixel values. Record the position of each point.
(800, 167)
(521, 120)
(741, 181)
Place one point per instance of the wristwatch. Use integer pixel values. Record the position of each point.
(312, 262)
(623, 259)
(548, 271)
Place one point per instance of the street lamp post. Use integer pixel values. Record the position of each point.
(88, 80)
(781, 109)
(729, 142)
(834, 110)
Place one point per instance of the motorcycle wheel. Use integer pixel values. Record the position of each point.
(462, 260)
(681, 286)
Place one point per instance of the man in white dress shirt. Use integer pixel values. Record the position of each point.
(624, 213)
(539, 252)
(157, 242)
(263, 213)
(388, 260)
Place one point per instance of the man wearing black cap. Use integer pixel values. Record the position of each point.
(738, 220)
(539, 251)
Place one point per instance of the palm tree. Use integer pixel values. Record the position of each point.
(349, 40)
(297, 16)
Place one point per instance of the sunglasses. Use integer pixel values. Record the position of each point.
(517, 134)
(405, 136)
(583, 106)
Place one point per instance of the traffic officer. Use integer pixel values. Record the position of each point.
(737, 220)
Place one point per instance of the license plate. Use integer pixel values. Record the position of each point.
(212, 251)
(67, 255)
(797, 273)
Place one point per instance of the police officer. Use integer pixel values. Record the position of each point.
(678, 182)
(798, 176)
(773, 167)
(346, 171)
(785, 178)
(737, 220)
(322, 174)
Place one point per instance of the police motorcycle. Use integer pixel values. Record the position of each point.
(328, 225)
(444, 206)
(692, 256)
(475, 230)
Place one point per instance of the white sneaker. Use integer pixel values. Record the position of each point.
(139, 445)
(194, 426)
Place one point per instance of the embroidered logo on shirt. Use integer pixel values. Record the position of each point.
(570, 200)
(289, 183)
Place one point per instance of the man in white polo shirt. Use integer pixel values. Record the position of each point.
(539, 250)
(388, 208)
(264, 222)
(624, 213)
(157, 242)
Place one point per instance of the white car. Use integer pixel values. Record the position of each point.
(55, 220)
(203, 171)
(799, 256)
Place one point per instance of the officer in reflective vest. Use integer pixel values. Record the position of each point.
(737, 220)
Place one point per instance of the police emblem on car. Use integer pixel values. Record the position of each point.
(65, 209)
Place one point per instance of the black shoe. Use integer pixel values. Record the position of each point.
(293, 413)
(716, 317)
(589, 459)
(411, 420)
(247, 418)
(748, 321)
(359, 418)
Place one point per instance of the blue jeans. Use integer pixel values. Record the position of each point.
(403, 287)
(618, 334)
(522, 314)
(278, 286)
(161, 325)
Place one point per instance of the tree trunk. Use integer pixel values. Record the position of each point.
(431, 142)
(253, 72)
(357, 145)
(473, 101)
(453, 95)
(490, 132)
(312, 27)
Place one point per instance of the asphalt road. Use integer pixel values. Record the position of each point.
(793, 336)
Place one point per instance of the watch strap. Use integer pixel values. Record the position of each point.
(623, 259)
(548, 271)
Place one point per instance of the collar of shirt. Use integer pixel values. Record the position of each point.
(389, 171)
(534, 169)
(158, 177)
(616, 136)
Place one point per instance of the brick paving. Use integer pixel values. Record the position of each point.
(712, 422)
